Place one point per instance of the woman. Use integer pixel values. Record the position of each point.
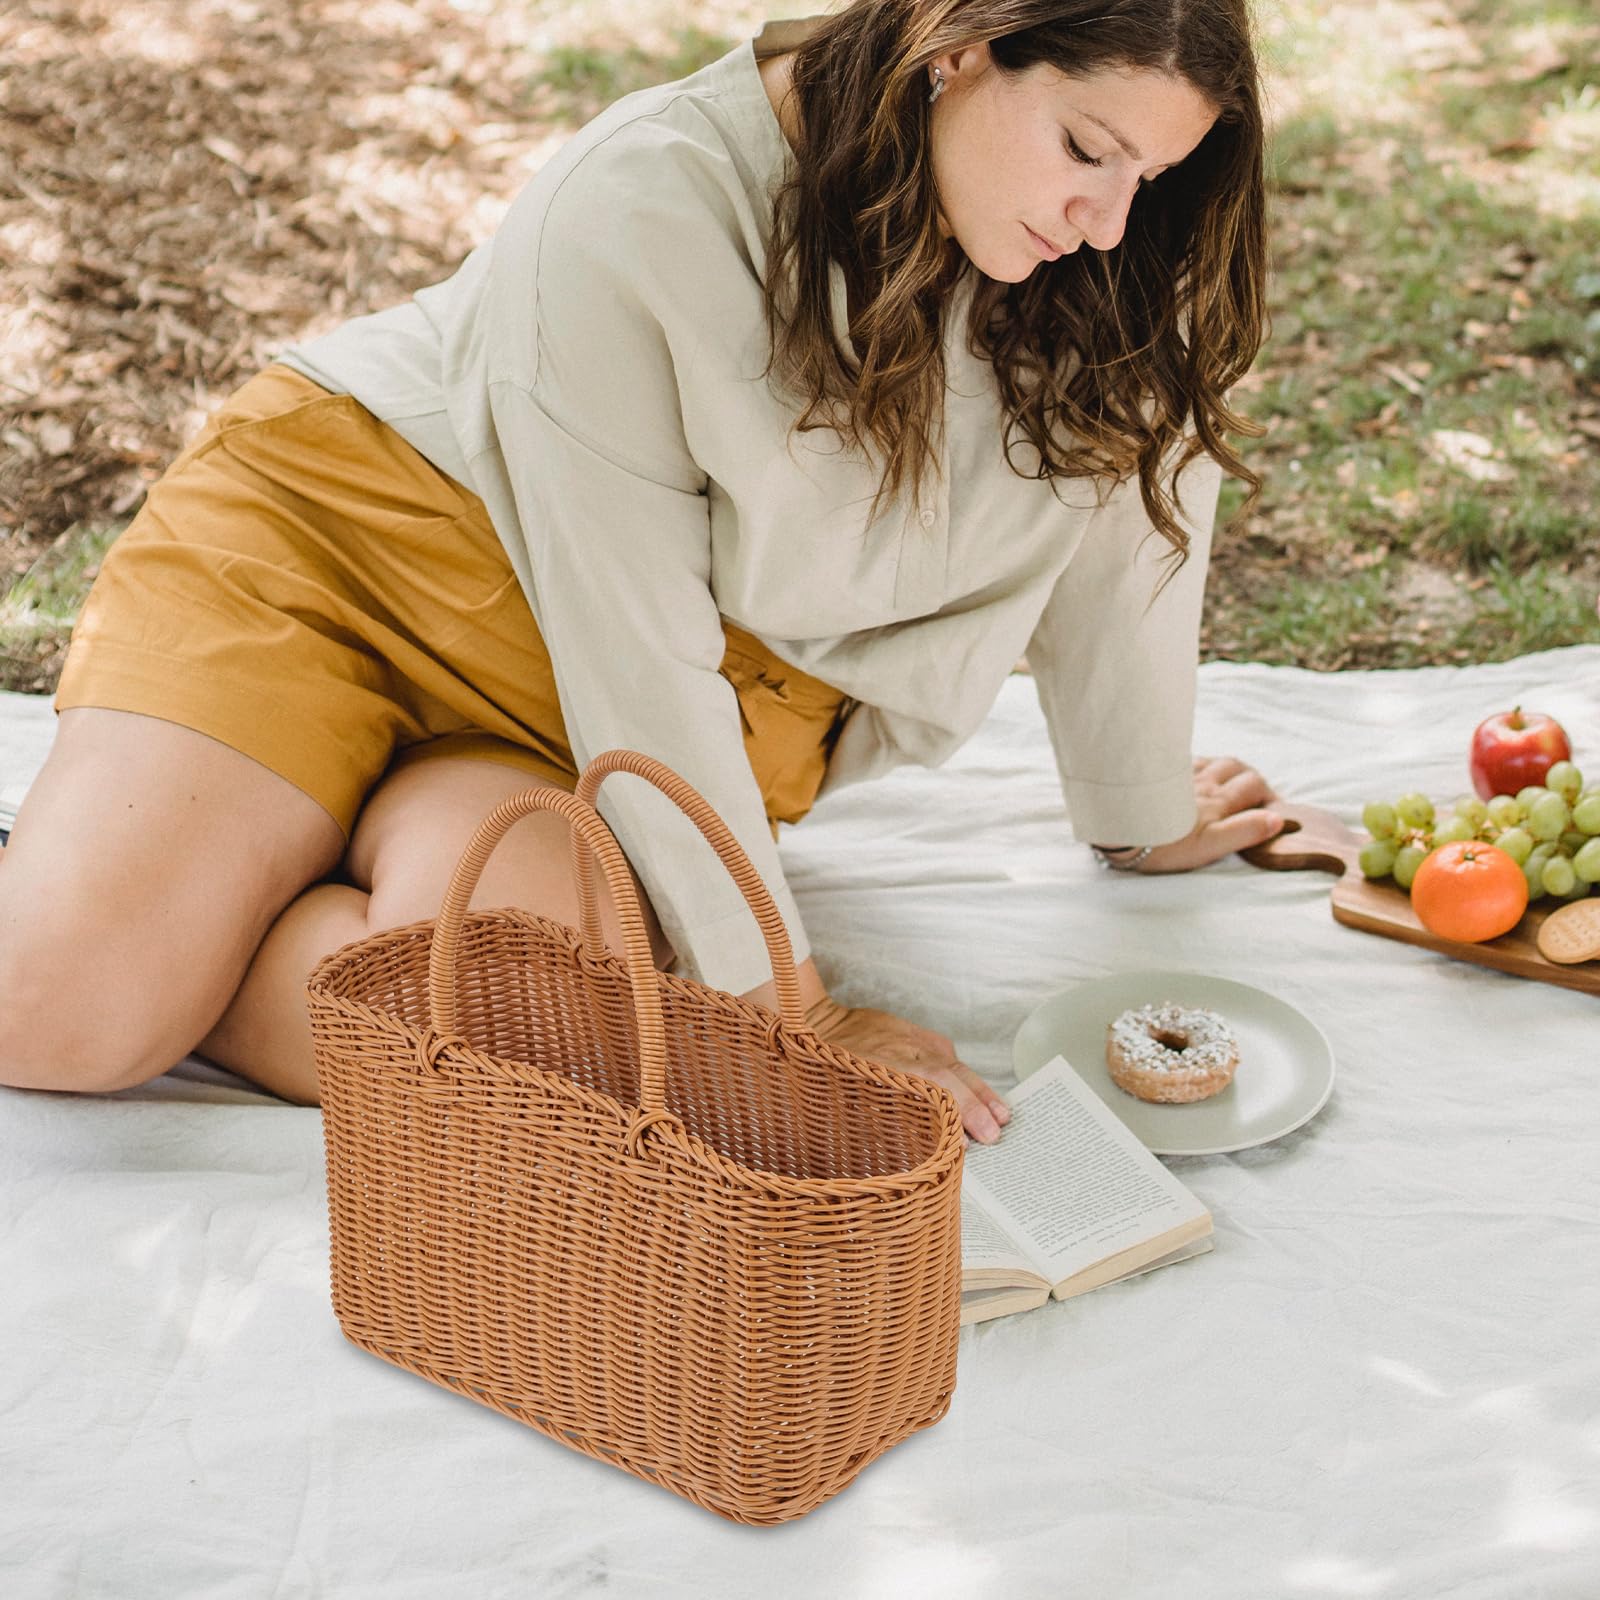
(792, 402)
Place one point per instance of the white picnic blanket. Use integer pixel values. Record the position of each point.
(1384, 1382)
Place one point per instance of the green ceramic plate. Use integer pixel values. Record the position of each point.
(1285, 1064)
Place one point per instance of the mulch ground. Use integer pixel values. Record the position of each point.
(186, 187)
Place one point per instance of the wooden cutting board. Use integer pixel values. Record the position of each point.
(1317, 841)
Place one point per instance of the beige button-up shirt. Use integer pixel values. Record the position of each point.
(593, 373)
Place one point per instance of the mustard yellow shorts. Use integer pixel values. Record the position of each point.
(304, 586)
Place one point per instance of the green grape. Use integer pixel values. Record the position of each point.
(1566, 780)
(1415, 810)
(1406, 861)
(1571, 841)
(1533, 871)
(1454, 829)
(1557, 876)
(1586, 863)
(1378, 817)
(1586, 814)
(1377, 858)
(1517, 843)
(1506, 811)
(1473, 809)
(1548, 816)
(1578, 890)
(1526, 797)
(1533, 867)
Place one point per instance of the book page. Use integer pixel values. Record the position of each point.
(984, 1248)
(1069, 1182)
(984, 1304)
(1130, 1264)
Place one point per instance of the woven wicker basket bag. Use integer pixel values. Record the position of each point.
(653, 1221)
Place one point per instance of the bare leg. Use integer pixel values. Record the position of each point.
(146, 865)
(265, 1034)
(405, 846)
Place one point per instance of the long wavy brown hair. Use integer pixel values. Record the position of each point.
(1109, 363)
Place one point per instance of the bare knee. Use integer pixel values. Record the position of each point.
(403, 893)
(64, 1028)
(146, 865)
(417, 824)
(42, 1055)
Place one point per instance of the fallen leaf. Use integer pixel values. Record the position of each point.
(1398, 375)
(1513, 260)
(225, 150)
(1469, 453)
(55, 435)
(21, 443)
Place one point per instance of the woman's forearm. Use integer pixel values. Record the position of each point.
(811, 989)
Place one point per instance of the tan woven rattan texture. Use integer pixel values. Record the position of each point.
(664, 1226)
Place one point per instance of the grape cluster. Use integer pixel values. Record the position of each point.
(1551, 830)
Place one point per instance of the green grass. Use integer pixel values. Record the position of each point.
(1482, 536)
(577, 82)
(37, 612)
(50, 591)
(1531, 609)
(1313, 619)
(1435, 344)
(1368, 618)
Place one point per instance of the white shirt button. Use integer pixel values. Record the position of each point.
(926, 519)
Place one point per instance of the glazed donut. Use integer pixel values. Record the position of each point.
(1171, 1053)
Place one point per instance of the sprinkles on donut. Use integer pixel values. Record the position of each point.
(1170, 1053)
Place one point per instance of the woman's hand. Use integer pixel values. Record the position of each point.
(1233, 812)
(893, 1042)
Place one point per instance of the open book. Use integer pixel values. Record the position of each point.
(1068, 1199)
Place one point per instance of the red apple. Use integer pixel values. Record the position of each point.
(1512, 749)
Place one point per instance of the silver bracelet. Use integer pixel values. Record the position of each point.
(1117, 857)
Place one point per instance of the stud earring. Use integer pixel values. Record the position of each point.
(938, 86)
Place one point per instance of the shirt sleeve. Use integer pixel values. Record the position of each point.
(1115, 664)
(612, 519)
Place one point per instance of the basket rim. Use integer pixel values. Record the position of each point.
(947, 1143)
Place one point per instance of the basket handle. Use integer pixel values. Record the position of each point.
(587, 825)
(719, 836)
